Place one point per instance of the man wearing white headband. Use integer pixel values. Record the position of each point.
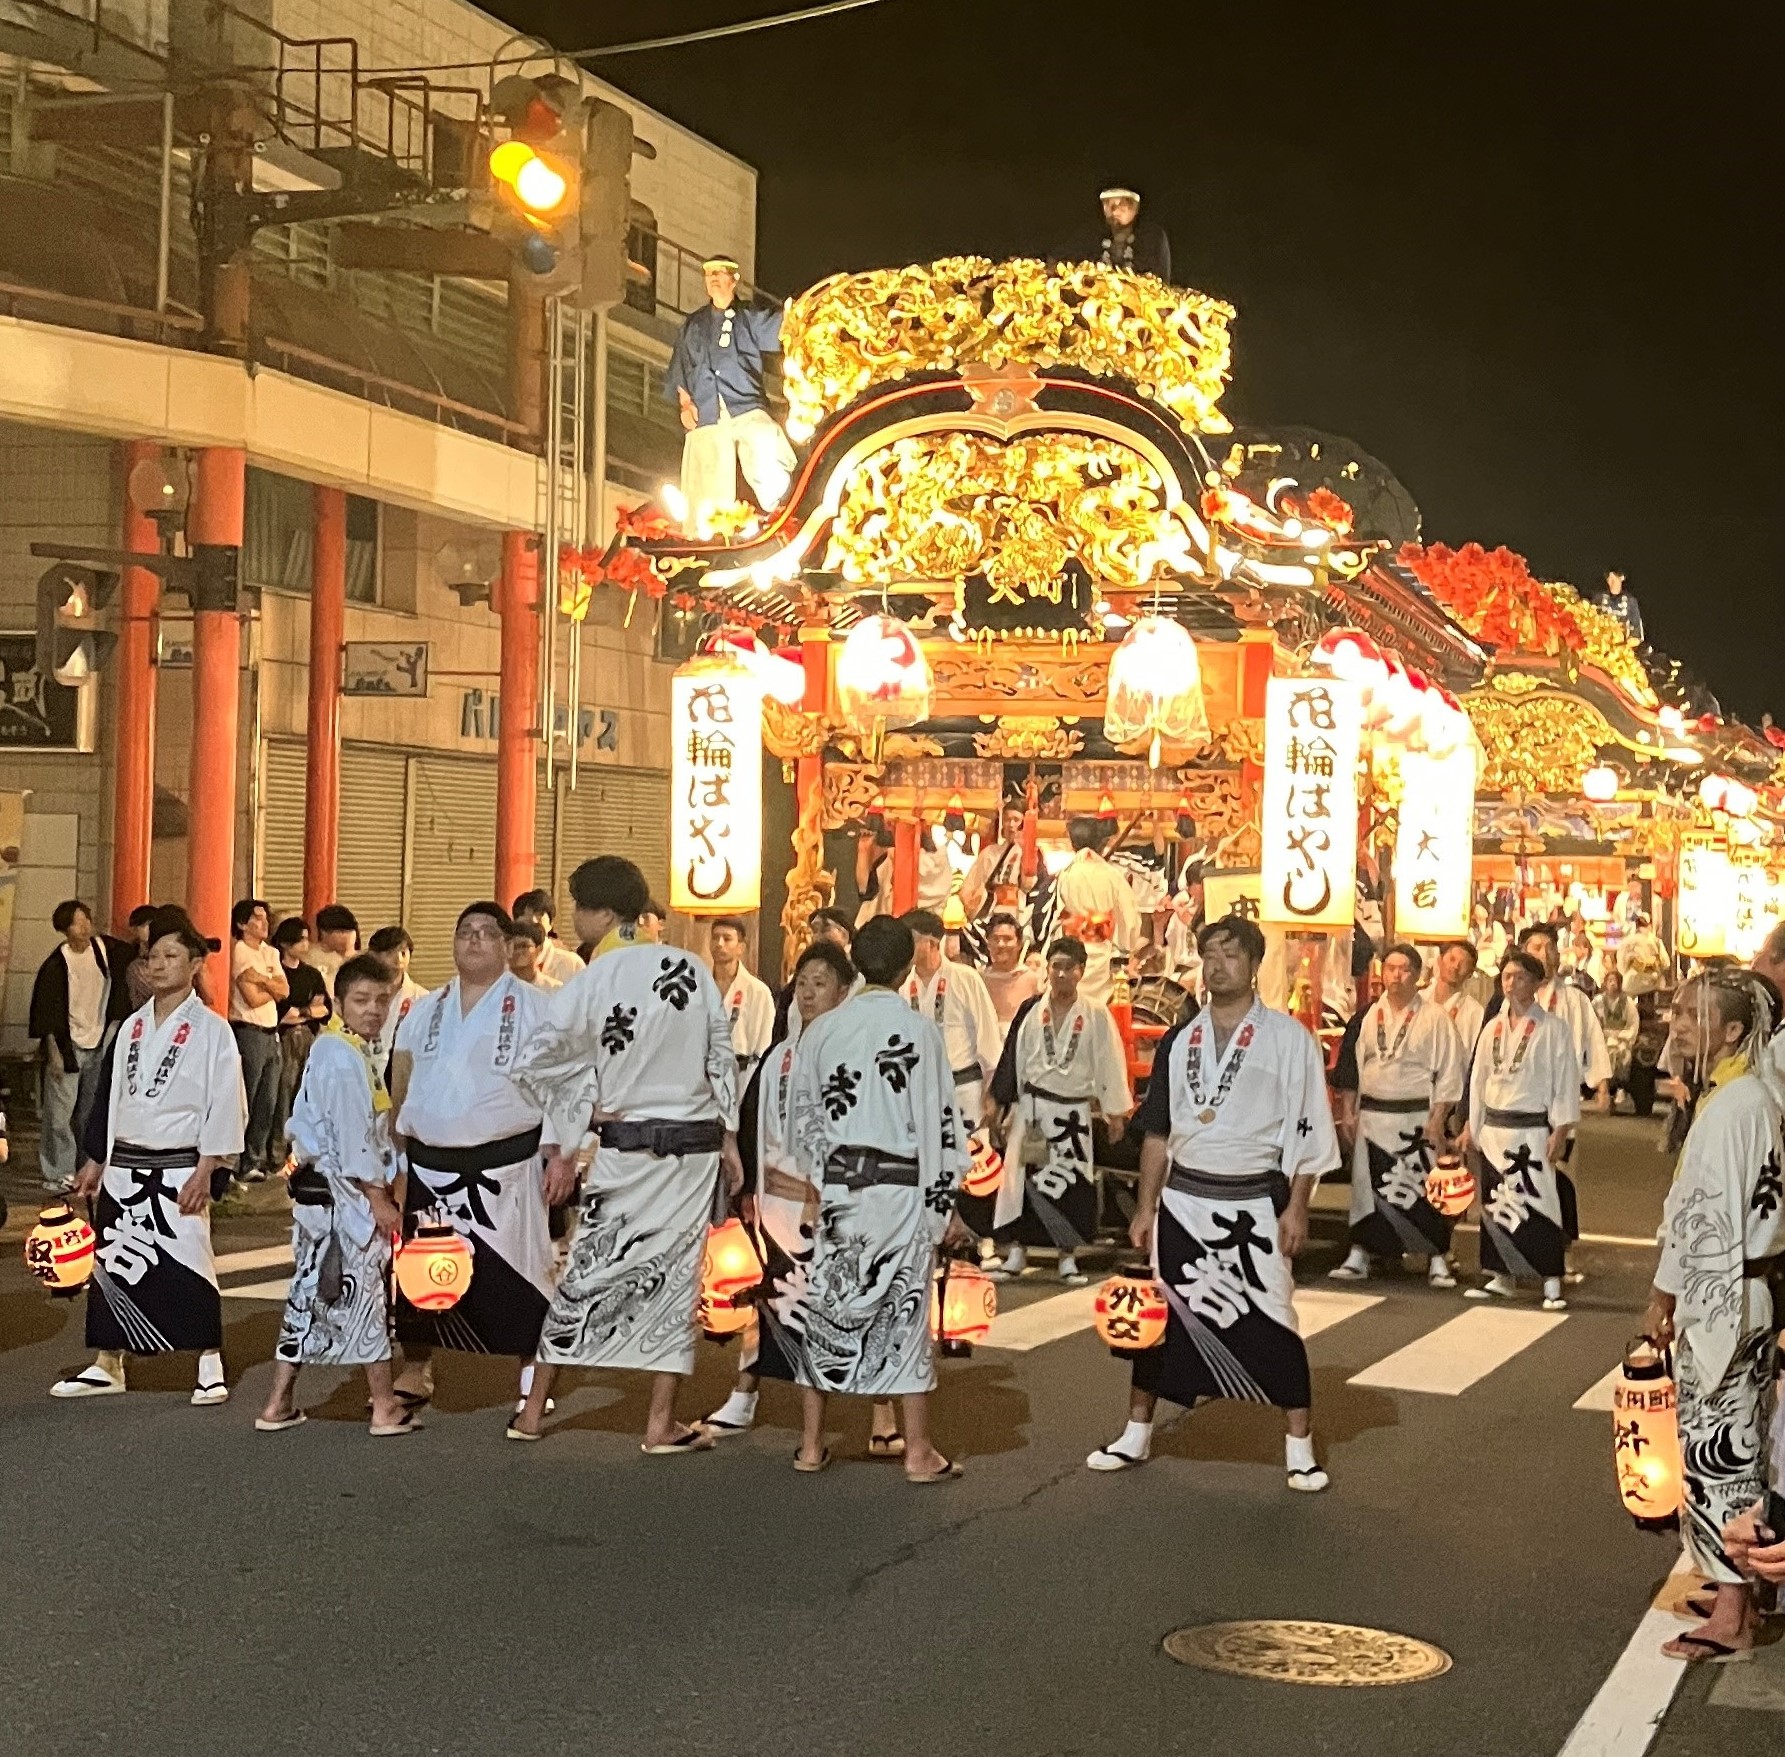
(1129, 242)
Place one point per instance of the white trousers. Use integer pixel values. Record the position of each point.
(712, 453)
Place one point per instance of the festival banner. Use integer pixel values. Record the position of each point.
(1434, 846)
(715, 830)
(1312, 728)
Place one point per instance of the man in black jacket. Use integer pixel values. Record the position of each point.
(1129, 242)
(79, 996)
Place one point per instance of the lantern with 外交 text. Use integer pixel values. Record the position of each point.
(729, 1268)
(963, 1303)
(883, 679)
(985, 1167)
(59, 1250)
(434, 1267)
(1130, 1313)
(1450, 1185)
(1155, 690)
(1646, 1437)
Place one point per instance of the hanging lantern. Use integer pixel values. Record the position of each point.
(985, 1167)
(883, 679)
(434, 1268)
(729, 1268)
(1450, 1185)
(715, 825)
(1155, 690)
(59, 1250)
(1600, 783)
(1130, 1313)
(963, 1303)
(1646, 1437)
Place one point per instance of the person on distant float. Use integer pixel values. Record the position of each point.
(1129, 242)
(1096, 906)
(1615, 601)
(715, 377)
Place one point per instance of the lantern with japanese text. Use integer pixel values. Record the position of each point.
(1312, 730)
(715, 786)
(434, 1267)
(1434, 860)
(985, 1167)
(1646, 1437)
(883, 679)
(1155, 691)
(963, 1303)
(59, 1250)
(729, 1268)
(1130, 1313)
(1706, 902)
(1450, 1185)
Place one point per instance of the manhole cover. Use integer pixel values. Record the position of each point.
(1308, 1653)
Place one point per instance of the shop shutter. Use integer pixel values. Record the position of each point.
(612, 811)
(282, 817)
(453, 854)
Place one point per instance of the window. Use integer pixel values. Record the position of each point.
(277, 538)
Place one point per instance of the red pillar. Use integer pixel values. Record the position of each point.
(214, 524)
(322, 750)
(133, 795)
(517, 782)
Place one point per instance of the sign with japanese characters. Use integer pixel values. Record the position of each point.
(385, 668)
(1231, 893)
(1434, 846)
(1707, 902)
(715, 832)
(1311, 730)
(1753, 907)
(36, 712)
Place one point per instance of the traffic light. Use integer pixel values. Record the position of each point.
(71, 648)
(607, 205)
(536, 174)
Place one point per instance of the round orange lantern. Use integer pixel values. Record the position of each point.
(1450, 1185)
(1646, 1437)
(59, 1250)
(1130, 1313)
(729, 1268)
(985, 1167)
(434, 1268)
(963, 1303)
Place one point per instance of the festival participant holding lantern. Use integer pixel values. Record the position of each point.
(174, 1116)
(1725, 1222)
(783, 1203)
(1396, 1086)
(1062, 1061)
(874, 1126)
(637, 1049)
(1238, 1129)
(473, 1142)
(343, 1210)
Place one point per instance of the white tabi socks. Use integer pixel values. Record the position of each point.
(736, 1415)
(1304, 1473)
(1134, 1447)
(211, 1387)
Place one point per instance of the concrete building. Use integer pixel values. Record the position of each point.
(365, 439)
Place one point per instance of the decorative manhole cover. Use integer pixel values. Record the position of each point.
(1308, 1653)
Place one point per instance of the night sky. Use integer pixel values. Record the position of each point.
(1521, 255)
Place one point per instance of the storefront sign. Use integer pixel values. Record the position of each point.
(1311, 732)
(715, 846)
(385, 668)
(1434, 846)
(36, 712)
(1707, 902)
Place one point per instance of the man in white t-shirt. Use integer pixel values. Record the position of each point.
(257, 986)
(557, 962)
(71, 1006)
(336, 940)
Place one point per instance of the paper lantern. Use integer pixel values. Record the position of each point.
(59, 1250)
(1600, 783)
(1646, 1436)
(1155, 690)
(434, 1268)
(1435, 844)
(1130, 1313)
(985, 1167)
(1450, 1185)
(1312, 730)
(883, 679)
(730, 1267)
(715, 823)
(963, 1303)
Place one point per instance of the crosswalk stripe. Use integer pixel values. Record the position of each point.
(1046, 1320)
(1317, 1310)
(271, 1257)
(1622, 1720)
(1447, 1361)
(1598, 1394)
(259, 1290)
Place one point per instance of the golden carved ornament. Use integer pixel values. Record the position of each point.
(1540, 744)
(791, 732)
(940, 506)
(972, 675)
(1606, 644)
(849, 790)
(895, 747)
(1038, 738)
(809, 885)
(1217, 803)
(1514, 682)
(854, 331)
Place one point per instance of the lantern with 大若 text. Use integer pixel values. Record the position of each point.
(433, 1267)
(1155, 691)
(1646, 1437)
(729, 1268)
(963, 1303)
(883, 679)
(1450, 1185)
(59, 1250)
(715, 785)
(1130, 1313)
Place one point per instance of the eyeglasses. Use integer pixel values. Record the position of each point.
(480, 930)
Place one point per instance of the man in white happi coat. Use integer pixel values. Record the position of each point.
(1524, 1100)
(167, 1119)
(1238, 1130)
(995, 883)
(1399, 1074)
(634, 1058)
(476, 1148)
(557, 962)
(875, 1128)
(1095, 906)
(1453, 993)
(1722, 1235)
(1063, 1063)
(749, 1001)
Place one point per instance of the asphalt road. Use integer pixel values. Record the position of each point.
(179, 1583)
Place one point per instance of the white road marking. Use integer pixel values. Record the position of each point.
(1621, 1721)
(1598, 1394)
(1447, 1361)
(271, 1257)
(1317, 1310)
(259, 1290)
(1046, 1320)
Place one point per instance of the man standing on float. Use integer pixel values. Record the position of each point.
(1237, 1132)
